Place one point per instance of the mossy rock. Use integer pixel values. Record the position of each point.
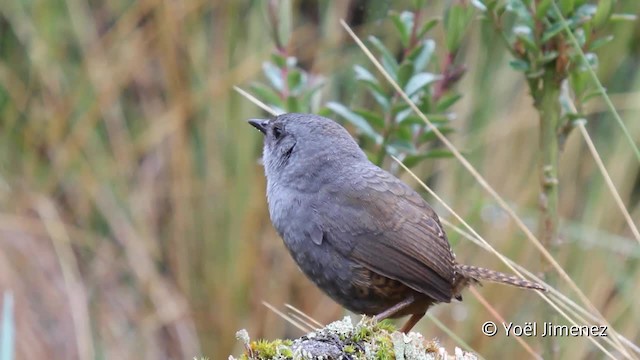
(368, 340)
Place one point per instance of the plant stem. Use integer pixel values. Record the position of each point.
(548, 104)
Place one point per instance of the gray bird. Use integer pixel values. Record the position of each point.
(360, 234)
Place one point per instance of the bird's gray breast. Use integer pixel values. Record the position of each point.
(294, 215)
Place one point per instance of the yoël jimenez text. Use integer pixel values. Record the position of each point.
(548, 329)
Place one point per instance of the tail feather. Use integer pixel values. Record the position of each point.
(469, 273)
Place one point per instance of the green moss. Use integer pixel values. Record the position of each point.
(287, 342)
(384, 345)
(349, 349)
(369, 327)
(367, 340)
(377, 335)
(385, 351)
(386, 325)
(361, 333)
(276, 349)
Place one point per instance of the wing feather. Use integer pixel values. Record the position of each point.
(387, 227)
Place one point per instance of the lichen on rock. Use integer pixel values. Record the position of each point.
(342, 340)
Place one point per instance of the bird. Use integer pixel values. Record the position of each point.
(364, 237)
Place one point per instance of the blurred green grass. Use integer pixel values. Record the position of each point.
(133, 220)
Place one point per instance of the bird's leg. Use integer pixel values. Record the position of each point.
(413, 320)
(394, 309)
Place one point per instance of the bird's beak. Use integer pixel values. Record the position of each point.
(259, 124)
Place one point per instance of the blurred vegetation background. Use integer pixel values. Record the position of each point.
(133, 219)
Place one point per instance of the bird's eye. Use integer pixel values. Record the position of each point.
(277, 132)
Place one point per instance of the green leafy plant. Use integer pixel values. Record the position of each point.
(385, 123)
(534, 33)
(290, 88)
(388, 123)
(553, 44)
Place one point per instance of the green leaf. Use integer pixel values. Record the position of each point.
(309, 93)
(436, 119)
(439, 154)
(403, 23)
(373, 86)
(390, 67)
(579, 81)
(397, 23)
(623, 17)
(479, 5)
(519, 65)
(404, 73)
(421, 55)
(491, 5)
(542, 8)
(407, 18)
(274, 75)
(419, 81)
(439, 119)
(428, 25)
(413, 160)
(425, 105)
(267, 95)
(552, 31)
(388, 61)
(358, 121)
(402, 115)
(372, 118)
(590, 95)
(534, 74)
(325, 112)
(430, 135)
(603, 12)
(521, 11)
(566, 6)
(599, 42)
(548, 57)
(295, 80)
(456, 21)
(404, 133)
(380, 98)
(365, 76)
(447, 101)
(398, 146)
(525, 35)
(584, 13)
(293, 105)
(278, 60)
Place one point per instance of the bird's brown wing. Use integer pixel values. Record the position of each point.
(387, 227)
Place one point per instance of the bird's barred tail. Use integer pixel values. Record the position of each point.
(478, 273)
